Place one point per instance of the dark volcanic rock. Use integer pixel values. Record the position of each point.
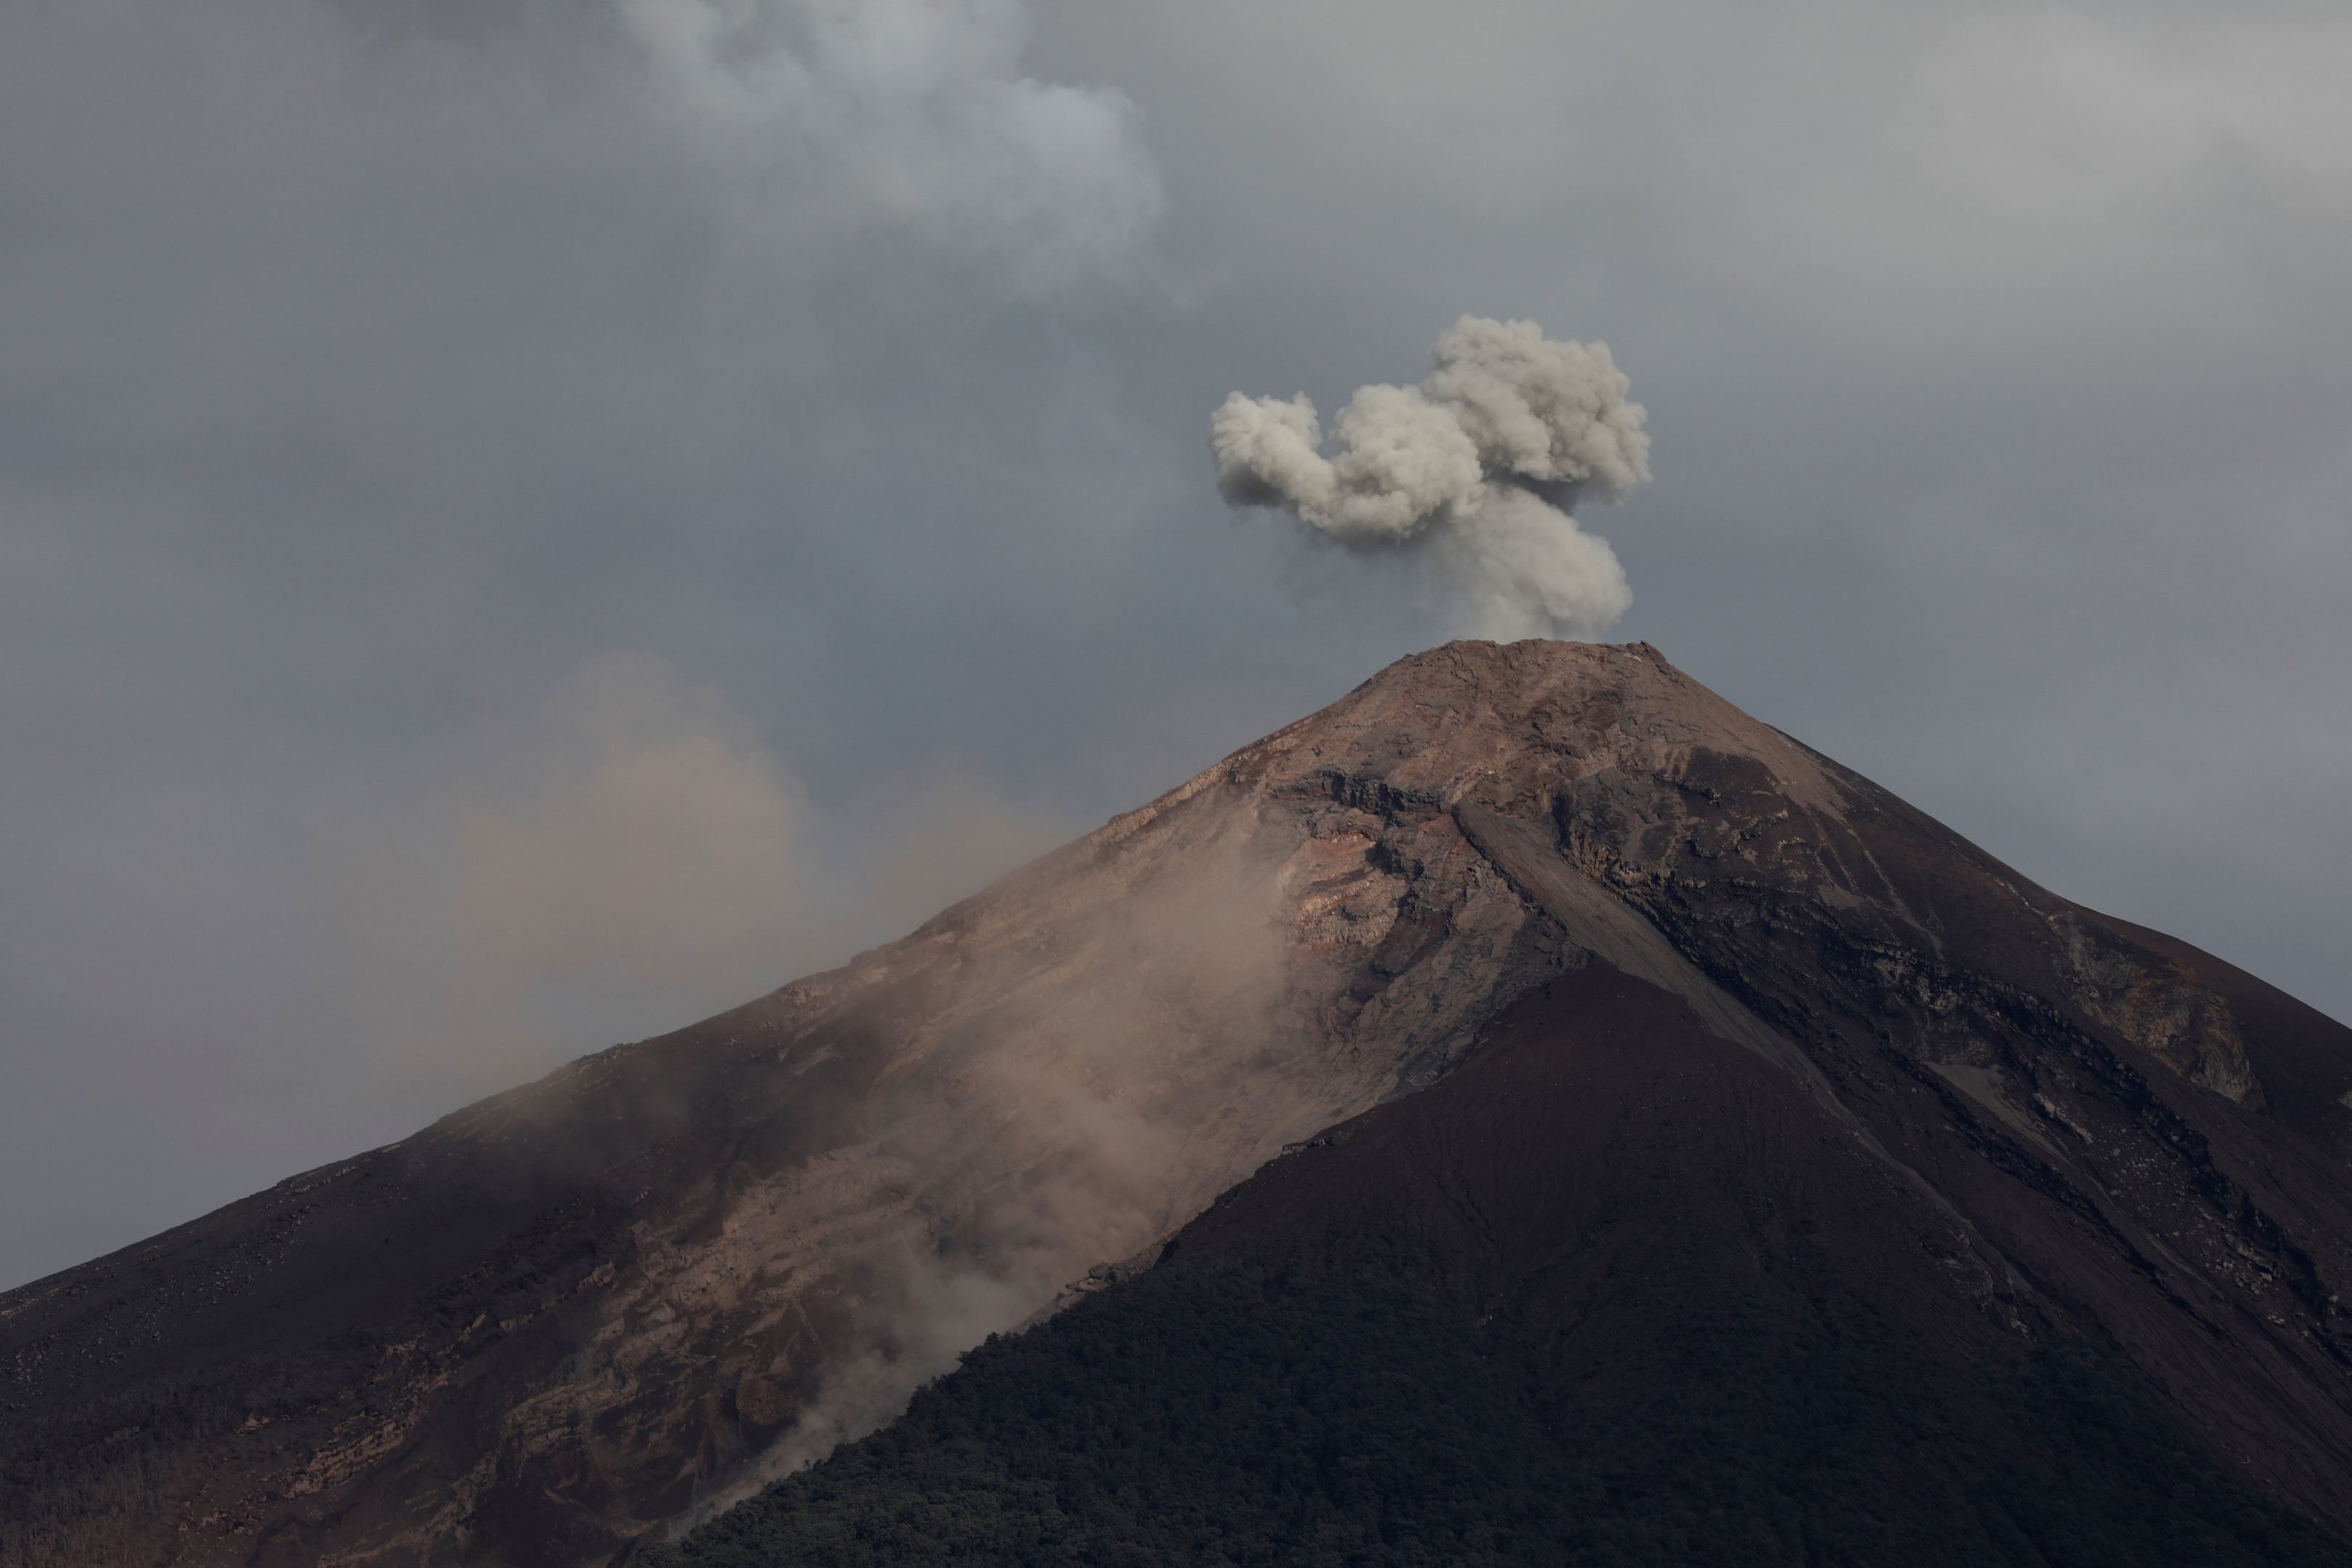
(1974, 1114)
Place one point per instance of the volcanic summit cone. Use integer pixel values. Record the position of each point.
(1647, 1078)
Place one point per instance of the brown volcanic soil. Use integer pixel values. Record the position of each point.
(570, 1313)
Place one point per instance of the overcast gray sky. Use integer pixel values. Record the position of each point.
(522, 525)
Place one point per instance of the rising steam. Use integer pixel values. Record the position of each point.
(1478, 467)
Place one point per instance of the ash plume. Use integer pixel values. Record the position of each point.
(1478, 467)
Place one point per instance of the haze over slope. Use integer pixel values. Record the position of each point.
(576, 1311)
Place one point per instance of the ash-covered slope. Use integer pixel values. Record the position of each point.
(601, 1302)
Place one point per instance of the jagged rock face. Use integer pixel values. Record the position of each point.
(611, 1299)
(2155, 1141)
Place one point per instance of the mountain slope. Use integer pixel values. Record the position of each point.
(618, 1296)
(1616, 1291)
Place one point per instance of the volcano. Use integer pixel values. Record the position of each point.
(1527, 1111)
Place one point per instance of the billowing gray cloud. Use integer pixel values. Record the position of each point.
(1477, 466)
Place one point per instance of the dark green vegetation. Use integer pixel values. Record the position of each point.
(1237, 1416)
(1240, 1418)
(1615, 1291)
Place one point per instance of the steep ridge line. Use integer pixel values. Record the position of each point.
(557, 1321)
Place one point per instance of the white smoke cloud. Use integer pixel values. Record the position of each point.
(919, 108)
(1477, 466)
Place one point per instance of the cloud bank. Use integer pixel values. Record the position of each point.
(1479, 466)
